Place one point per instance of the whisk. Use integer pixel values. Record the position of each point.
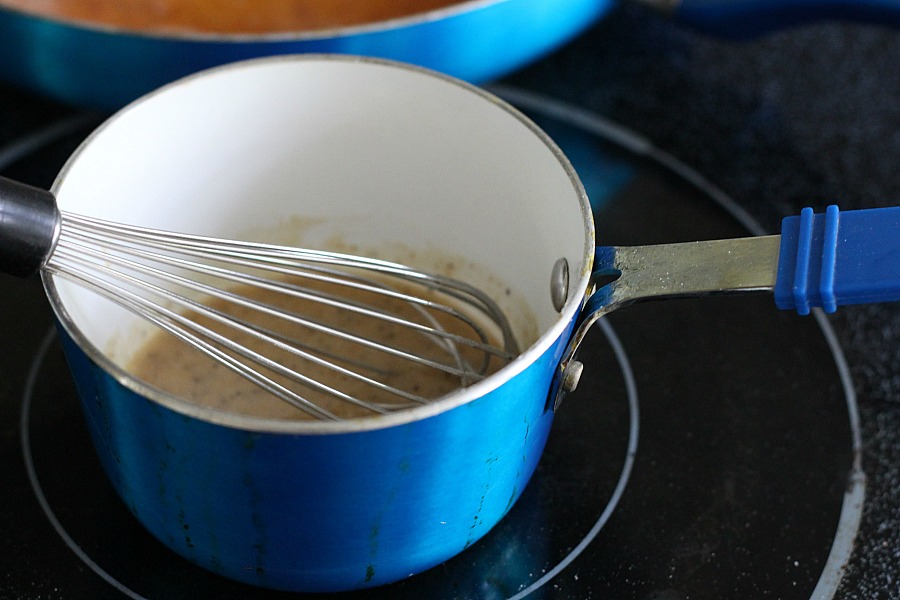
(257, 308)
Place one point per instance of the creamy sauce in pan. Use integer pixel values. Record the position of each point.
(168, 363)
(226, 16)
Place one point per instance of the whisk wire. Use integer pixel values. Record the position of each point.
(75, 263)
(117, 260)
(288, 261)
(169, 322)
(461, 369)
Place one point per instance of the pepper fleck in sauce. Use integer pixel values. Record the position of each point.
(170, 364)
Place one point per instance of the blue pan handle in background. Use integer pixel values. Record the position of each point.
(827, 260)
(747, 18)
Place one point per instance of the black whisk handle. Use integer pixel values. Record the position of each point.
(29, 221)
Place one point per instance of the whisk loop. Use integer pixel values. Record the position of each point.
(254, 308)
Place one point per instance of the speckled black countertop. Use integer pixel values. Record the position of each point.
(805, 117)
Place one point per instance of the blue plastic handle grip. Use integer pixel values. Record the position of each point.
(836, 258)
(747, 18)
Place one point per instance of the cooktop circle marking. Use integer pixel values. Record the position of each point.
(25, 436)
(848, 525)
(39, 138)
(854, 495)
(628, 464)
(633, 434)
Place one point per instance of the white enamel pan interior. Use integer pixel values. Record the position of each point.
(354, 154)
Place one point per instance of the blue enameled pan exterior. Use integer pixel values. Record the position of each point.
(477, 40)
(319, 512)
(312, 505)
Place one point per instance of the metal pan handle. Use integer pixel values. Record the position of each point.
(826, 260)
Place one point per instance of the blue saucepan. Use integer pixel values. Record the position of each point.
(96, 63)
(323, 150)
(319, 150)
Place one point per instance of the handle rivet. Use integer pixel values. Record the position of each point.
(571, 376)
(559, 284)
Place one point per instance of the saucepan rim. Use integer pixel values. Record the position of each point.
(548, 338)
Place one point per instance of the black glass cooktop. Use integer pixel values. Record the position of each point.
(711, 450)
